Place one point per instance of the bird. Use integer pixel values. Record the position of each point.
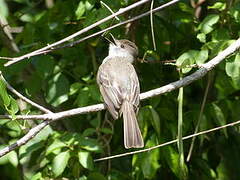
(119, 86)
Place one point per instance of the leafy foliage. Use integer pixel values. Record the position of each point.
(66, 79)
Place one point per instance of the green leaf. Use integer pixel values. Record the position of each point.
(58, 90)
(13, 108)
(202, 37)
(13, 158)
(89, 144)
(3, 159)
(4, 95)
(45, 66)
(207, 25)
(34, 144)
(57, 144)
(187, 59)
(83, 97)
(218, 46)
(150, 160)
(96, 176)
(60, 162)
(219, 117)
(85, 159)
(221, 34)
(89, 132)
(232, 67)
(3, 9)
(15, 129)
(74, 88)
(106, 130)
(26, 151)
(218, 5)
(37, 176)
(207, 171)
(155, 120)
(172, 159)
(235, 13)
(202, 56)
(80, 10)
(94, 92)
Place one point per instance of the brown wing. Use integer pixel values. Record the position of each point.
(117, 86)
(109, 91)
(135, 90)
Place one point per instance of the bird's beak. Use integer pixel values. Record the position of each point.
(113, 40)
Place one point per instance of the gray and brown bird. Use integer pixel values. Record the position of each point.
(120, 89)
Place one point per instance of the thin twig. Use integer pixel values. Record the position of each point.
(200, 116)
(43, 109)
(152, 28)
(105, 5)
(169, 142)
(52, 47)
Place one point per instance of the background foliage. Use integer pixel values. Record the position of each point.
(64, 79)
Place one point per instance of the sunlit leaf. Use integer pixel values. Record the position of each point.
(60, 162)
(85, 159)
(58, 90)
(207, 25)
(4, 95)
(186, 60)
(233, 66)
(13, 158)
(218, 5)
(3, 8)
(57, 144)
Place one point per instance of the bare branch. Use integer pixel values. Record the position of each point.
(121, 11)
(23, 97)
(169, 142)
(52, 47)
(31, 134)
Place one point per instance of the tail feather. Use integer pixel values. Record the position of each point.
(132, 134)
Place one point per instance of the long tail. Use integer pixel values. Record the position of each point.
(132, 134)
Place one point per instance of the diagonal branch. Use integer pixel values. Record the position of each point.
(31, 134)
(121, 11)
(53, 46)
(43, 109)
(205, 68)
(169, 142)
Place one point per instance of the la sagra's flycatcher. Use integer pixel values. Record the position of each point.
(119, 86)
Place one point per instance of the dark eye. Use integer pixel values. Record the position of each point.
(122, 46)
